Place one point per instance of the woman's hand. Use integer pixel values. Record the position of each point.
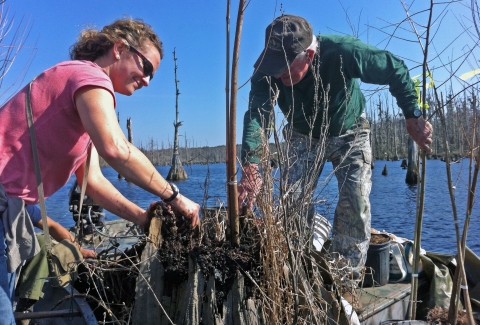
(187, 208)
(88, 253)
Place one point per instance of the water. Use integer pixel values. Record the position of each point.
(392, 201)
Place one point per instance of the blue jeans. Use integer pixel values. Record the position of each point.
(7, 281)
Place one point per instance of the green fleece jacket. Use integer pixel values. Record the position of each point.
(334, 98)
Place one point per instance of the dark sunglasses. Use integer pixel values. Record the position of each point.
(147, 65)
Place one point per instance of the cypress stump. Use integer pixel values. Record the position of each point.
(412, 168)
(188, 280)
(196, 277)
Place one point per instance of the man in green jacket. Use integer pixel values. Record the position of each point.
(315, 82)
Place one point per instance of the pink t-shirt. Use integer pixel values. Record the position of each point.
(61, 138)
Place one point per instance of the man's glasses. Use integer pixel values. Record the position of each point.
(147, 65)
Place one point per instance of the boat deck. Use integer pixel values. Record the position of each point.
(59, 306)
(388, 302)
(116, 231)
(383, 303)
(64, 305)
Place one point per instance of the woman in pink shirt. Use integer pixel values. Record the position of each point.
(73, 106)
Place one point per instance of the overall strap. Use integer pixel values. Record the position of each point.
(84, 184)
(41, 195)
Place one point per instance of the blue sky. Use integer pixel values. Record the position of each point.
(196, 29)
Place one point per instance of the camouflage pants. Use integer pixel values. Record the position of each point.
(350, 154)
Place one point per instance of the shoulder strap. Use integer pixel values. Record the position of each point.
(84, 184)
(41, 195)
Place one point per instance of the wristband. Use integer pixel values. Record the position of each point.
(415, 114)
(174, 195)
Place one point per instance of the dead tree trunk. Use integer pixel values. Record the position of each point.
(118, 120)
(129, 129)
(373, 147)
(129, 136)
(412, 169)
(186, 151)
(395, 151)
(177, 172)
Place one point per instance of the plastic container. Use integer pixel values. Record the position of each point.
(378, 262)
(404, 322)
(321, 231)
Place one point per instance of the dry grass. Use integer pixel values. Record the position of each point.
(439, 316)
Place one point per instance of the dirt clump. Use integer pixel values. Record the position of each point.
(214, 257)
(379, 239)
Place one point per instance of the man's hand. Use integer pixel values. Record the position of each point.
(248, 187)
(421, 132)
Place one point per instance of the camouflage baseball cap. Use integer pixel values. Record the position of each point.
(285, 38)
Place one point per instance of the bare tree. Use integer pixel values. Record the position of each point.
(177, 172)
(13, 36)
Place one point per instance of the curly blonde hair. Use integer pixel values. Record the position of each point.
(92, 44)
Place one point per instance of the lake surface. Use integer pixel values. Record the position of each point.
(392, 201)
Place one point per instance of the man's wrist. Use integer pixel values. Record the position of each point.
(250, 168)
(174, 195)
(416, 113)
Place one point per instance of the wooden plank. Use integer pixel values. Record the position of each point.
(189, 306)
(252, 315)
(47, 314)
(238, 292)
(168, 302)
(150, 282)
(334, 312)
(210, 313)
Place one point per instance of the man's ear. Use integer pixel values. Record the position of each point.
(311, 54)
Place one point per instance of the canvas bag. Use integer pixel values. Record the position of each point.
(401, 257)
(63, 262)
(64, 257)
(400, 268)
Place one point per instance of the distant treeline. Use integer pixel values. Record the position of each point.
(215, 155)
(201, 155)
(389, 137)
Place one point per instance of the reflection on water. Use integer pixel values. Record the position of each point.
(392, 201)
